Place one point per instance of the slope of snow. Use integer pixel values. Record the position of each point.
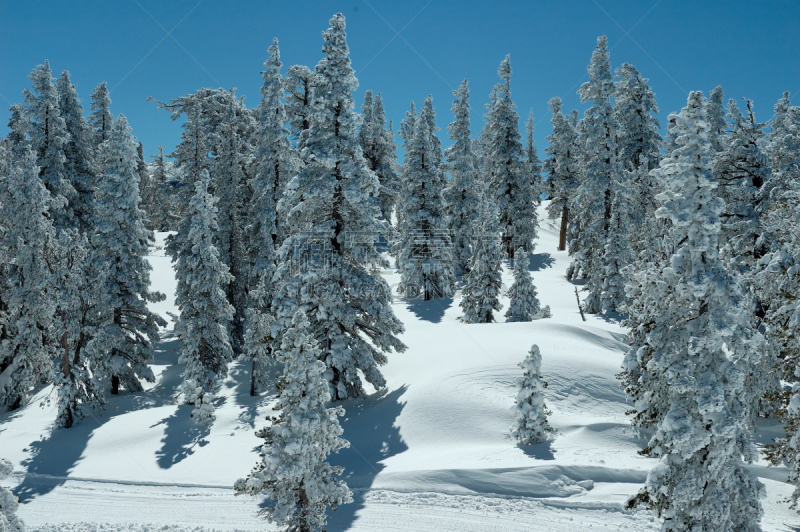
(430, 453)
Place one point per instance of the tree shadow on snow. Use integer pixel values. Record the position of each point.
(181, 435)
(540, 261)
(53, 457)
(432, 310)
(56, 454)
(539, 451)
(241, 373)
(369, 426)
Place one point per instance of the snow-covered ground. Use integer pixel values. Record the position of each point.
(431, 453)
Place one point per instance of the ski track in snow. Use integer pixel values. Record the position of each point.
(431, 453)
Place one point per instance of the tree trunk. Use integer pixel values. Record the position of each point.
(562, 235)
(66, 370)
(253, 379)
(302, 512)
(115, 385)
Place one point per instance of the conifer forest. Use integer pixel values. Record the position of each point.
(310, 316)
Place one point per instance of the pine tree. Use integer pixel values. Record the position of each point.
(205, 310)
(26, 350)
(509, 182)
(461, 194)
(639, 144)
(406, 132)
(228, 166)
(49, 138)
(703, 355)
(562, 168)
(300, 85)
(524, 304)
(741, 170)
(377, 144)
(77, 359)
(481, 294)
(160, 205)
(265, 232)
(777, 283)
(603, 175)
(532, 162)
(191, 157)
(531, 425)
(783, 121)
(17, 139)
(9, 522)
(294, 472)
(717, 133)
(79, 165)
(329, 262)
(101, 119)
(424, 249)
(128, 329)
(145, 185)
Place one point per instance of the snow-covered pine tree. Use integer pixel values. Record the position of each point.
(781, 124)
(101, 119)
(191, 157)
(424, 249)
(406, 132)
(26, 350)
(299, 85)
(161, 206)
(79, 163)
(524, 304)
(408, 125)
(204, 308)
(49, 138)
(741, 170)
(462, 193)
(17, 139)
(532, 162)
(483, 283)
(717, 127)
(145, 185)
(777, 284)
(703, 353)
(639, 144)
(603, 174)
(9, 522)
(506, 174)
(294, 472)
(377, 144)
(77, 296)
(232, 152)
(275, 166)
(562, 168)
(531, 424)
(329, 262)
(128, 329)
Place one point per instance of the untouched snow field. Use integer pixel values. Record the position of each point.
(430, 453)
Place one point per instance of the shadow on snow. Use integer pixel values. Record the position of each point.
(369, 425)
(56, 454)
(432, 310)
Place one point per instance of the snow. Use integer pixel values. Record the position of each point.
(431, 453)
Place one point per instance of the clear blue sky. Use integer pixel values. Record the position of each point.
(168, 49)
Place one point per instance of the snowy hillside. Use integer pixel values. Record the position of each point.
(431, 453)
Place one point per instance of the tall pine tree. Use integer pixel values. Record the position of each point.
(462, 193)
(329, 261)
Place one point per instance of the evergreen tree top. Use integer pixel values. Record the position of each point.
(600, 87)
(504, 71)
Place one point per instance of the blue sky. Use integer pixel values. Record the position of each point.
(168, 49)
